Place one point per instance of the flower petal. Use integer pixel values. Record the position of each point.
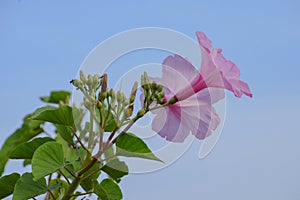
(167, 123)
(178, 73)
(199, 115)
(219, 72)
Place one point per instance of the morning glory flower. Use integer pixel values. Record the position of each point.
(195, 92)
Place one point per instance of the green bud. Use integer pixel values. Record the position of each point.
(95, 81)
(129, 111)
(90, 81)
(99, 104)
(173, 100)
(141, 113)
(124, 100)
(153, 86)
(77, 83)
(159, 88)
(119, 96)
(161, 95)
(112, 93)
(133, 92)
(102, 95)
(82, 76)
(146, 78)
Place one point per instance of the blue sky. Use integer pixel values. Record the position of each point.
(42, 45)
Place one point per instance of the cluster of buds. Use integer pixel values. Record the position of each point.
(88, 85)
(121, 106)
(116, 103)
(153, 92)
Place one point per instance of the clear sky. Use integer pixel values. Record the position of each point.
(42, 45)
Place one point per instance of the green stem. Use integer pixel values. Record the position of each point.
(78, 139)
(91, 132)
(71, 189)
(76, 181)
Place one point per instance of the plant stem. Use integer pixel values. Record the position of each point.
(64, 176)
(81, 194)
(91, 131)
(80, 142)
(76, 181)
(71, 189)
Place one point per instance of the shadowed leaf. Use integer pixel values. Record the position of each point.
(108, 190)
(26, 188)
(28, 130)
(7, 184)
(26, 150)
(56, 97)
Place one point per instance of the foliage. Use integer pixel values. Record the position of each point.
(63, 166)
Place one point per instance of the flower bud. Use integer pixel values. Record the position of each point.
(82, 76)
(133, 92)
(159, 88)
(95, 81)
(77, 83)
(104, 83)
(119, 96)
(102, 95)
(90, 81)
(173, 100)
(141, 113)
(99, 104)
(153, 86)
(129, 111)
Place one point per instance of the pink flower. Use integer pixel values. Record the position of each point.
(193, 110)
(214, 65)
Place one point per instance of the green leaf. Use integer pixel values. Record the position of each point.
(93, 173)
(108, 190)
(48, 158)
(7, 184)
(129, 145)
(27, 188)
(65, 133)
(116, 169)
(70, 154)
(56, 97)
(62, 115)
(26, 162)
(26, 150)
(111, 122)
(28, 130)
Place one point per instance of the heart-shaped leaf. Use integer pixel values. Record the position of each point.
(47, 159)
(27, 188)
(62, 115)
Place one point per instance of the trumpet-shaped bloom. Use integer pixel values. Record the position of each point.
(219, 72)
(195, 92)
